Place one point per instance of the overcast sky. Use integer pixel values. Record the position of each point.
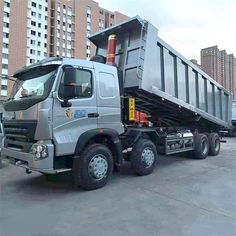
(187, 25)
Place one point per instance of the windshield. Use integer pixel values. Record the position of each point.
(35, 83)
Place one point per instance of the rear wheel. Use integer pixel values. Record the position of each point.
(201, 149)
(214, 142)
(94, 167)
(143, 157)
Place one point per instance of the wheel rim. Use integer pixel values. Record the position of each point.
(98, 167)
(148, 157)
(204, 147)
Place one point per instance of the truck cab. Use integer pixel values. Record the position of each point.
(54, 103)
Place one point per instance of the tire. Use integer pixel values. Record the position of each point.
(214, 142)
(95, 167)
(140, 165)
(201, 149)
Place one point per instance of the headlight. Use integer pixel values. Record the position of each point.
(40, 151)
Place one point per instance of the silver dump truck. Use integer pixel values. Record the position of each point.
(76, 115)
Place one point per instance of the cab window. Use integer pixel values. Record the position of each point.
(82, 84)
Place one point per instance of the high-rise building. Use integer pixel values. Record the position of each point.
(35, 29)
(210, 62)
(4, 46)
(220, 66)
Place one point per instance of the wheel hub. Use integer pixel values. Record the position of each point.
(147, 157)
(98, 167)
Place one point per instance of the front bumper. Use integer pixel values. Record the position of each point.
(27, 160)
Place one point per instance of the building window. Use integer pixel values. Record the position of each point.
(40, 16)
(33, 4)
(32, 61)
(33, 13)
(33, 32)
(6, 14)
(39, 34)
(40, 6)
(39, 53)
(4, 66)
(5, 24)
(45, 45)
(33, 23)
(32, 51)
(69, 9)
(4, 87)
(6, 4)
(112, 16)
(39, 25)
(5, 35)
(5, 55)
(39, 44)
(32, 42)
(5, 45)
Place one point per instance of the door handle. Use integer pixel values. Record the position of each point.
(93, 115)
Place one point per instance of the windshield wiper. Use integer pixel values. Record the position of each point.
(26, 96)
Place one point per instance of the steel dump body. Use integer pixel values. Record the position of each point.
(164, 83)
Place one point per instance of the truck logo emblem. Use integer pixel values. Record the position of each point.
(69, 113)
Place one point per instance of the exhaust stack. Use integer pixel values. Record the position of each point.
(111, 50)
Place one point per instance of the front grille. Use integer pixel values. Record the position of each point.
(19, 134)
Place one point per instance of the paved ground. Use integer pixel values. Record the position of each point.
(182, 197)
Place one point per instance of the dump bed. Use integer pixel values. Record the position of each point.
(164, 83)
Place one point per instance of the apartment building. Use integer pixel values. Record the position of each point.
(220, 66)
(35, 29)
(4, 46)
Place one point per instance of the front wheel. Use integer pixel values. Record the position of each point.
(143, 157)
(94, 167)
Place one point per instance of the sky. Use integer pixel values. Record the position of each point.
(187, 25)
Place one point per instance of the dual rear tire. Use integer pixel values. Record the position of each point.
(206, 144)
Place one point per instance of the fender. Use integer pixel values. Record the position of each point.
(110, 133)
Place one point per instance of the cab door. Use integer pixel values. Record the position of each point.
(80, 115)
